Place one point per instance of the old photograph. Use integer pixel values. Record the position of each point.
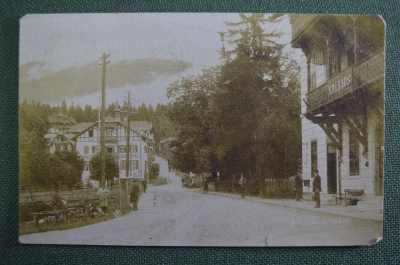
(201, 129)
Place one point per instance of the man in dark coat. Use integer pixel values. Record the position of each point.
(205, 186)
(134, 196)
(298, 186)
(317, 189)
(144, 185)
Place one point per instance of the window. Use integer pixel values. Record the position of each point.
(313, 80)
(350, 57)
(122, 165)
(354, 153)
(110, 149)
(94, 150)
(109, 132)
(314, 158)
(90, 132)
(134, 148)
(122, 149)
(86, 150)
(135, 165)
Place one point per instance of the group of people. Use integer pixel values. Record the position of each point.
(316, 188)
(103, 193)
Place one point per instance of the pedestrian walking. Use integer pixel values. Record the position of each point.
(134, 195)
(298, 187)
(205, 186)
(317, 189)
(242, 183)
(103, 194)
(144, 185)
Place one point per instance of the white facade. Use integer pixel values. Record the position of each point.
(88, 145)
(342, 115)
(312, 132)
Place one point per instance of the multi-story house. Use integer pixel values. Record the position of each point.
(87, 137)
(342, 101)
(59, 137)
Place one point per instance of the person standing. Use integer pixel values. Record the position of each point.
(205, 186)
(103, 193)
(242, 183)
(134, 196)
(317, 189)
(144, 185)
(298, 186)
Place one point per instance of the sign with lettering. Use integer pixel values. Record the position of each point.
(335, 88)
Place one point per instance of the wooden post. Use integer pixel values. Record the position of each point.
(102, 117)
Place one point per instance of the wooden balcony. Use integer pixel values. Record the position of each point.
(348, 81)
(109, 139)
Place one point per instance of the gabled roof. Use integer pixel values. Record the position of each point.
(111, 119)
(83, 126)
(53, 135)
(60, 118)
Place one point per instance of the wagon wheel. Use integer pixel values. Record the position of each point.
(117, 213)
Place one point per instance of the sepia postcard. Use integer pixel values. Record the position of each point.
(197, 129)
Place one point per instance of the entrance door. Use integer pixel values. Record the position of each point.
(331, 169)
(379, 153)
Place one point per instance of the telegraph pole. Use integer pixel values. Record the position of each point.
(128, 134)
(127, 109)
(102, 117)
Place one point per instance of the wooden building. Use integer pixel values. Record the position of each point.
(342, 96)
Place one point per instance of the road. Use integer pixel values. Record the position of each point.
(170, 215)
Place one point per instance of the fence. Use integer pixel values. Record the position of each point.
(267, 188)
(48, 196)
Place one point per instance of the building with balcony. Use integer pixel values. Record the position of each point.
(342, 97)
(59, 137)
(61, 123)
(87, 138)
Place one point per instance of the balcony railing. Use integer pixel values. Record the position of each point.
(347, 81)
(110, 138)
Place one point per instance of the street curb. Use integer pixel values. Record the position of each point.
(349, 211)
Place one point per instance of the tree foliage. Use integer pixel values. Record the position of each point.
(191, 113)
(242, 117)
(111, 167)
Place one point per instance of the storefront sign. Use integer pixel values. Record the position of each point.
(333, 89)
(339, 85)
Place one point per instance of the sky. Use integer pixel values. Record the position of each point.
(59, 54)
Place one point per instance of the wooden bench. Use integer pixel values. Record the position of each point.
(350, 196)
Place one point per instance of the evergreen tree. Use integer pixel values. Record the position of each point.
(243, 117)
(111, 169)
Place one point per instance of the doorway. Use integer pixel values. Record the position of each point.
(331, 168)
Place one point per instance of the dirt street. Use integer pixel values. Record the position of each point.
(170, 215)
